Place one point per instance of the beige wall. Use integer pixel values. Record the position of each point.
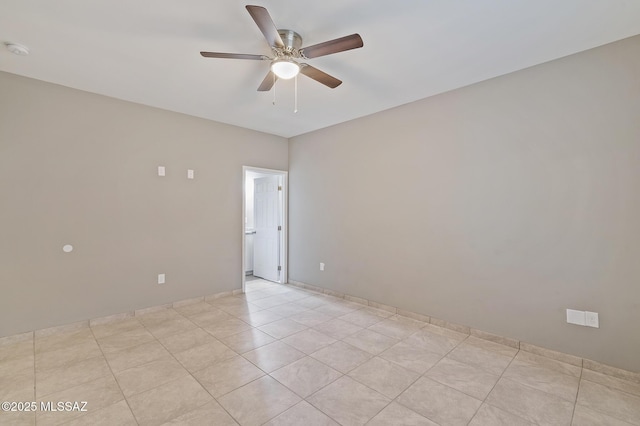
(497, 206)
(81, 169)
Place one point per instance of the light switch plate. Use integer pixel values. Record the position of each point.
(161, 278)
(592, 319)
(576, 317)
(190, 174)
(161, 171)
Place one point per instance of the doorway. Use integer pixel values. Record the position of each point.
(264, 230)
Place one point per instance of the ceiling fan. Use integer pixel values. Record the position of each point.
(287, 52)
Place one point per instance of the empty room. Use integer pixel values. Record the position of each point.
(320, 213)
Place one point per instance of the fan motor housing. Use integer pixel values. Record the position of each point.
(291, 39)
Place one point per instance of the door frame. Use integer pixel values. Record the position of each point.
(284, 210)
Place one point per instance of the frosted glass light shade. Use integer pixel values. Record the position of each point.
(285, 69)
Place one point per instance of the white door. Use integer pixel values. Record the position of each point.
(266, 241)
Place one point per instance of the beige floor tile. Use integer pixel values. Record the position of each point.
(17, 418)
(439, 403)
(124, 340)
(395, 414)
(342, 356)
(384, 376)
(615, 403)
(531, 404)
(310, 318)
(362, 318)
(312, 302)
(337, 328)
(187, 340)
(137, 355)
(394, 328)
(166, 402)
(305, 376)
(282, 328)
(97, 394)
(584, 416)
(544, 379)
(66, 356)
(273, 356)
(441, 331)
(194, 309)
(116, 327)
(258, 401)
(302, 413)
(466, 378)
(171, 327)
(489, 415)
(50, 381)
(349, 402)
(611, 382)
(507, 351)
(203, 356)
(490, 361)
(18, 386)
(432, 342)
(63, 340)
(259, 318)
(288, 309)
(336, 309)
(309, 341)
(158, 316)
(227, 328)
(370, 341)
(247, 340)
(116, 414)
(210, 317)
(209, 414)
(270, 302)
(16, 351)
(548, 363)
(238, 311)
(228, 375)
(411, 357)
(148, 376)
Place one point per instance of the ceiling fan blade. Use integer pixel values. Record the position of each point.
(233, 56)
(268, 82)
(353, 41)
(319, 76)
(266, 25)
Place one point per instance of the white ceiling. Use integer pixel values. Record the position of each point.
(147, 51)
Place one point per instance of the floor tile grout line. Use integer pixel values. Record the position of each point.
(575, 402)
(114, 377)
(484, 401)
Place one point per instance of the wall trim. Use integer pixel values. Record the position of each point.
(507, 341)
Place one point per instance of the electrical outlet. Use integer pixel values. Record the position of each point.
(321, 266)
(161, 171)
(592, 319)
(190, 174)
(161, 279)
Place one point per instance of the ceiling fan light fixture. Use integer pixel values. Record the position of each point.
(285, 68)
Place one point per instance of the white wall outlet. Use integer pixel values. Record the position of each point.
(161, 278)
(189, 174)
(321, 266)
(576, 317)
(592, 319)
(161, 171)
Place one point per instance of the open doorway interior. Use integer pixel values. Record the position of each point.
(264, 219)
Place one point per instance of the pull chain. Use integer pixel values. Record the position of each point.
(274, 88)
(295, 101)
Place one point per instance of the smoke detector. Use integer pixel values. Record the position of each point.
(17, 49)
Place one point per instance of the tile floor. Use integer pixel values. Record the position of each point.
(279, 355)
